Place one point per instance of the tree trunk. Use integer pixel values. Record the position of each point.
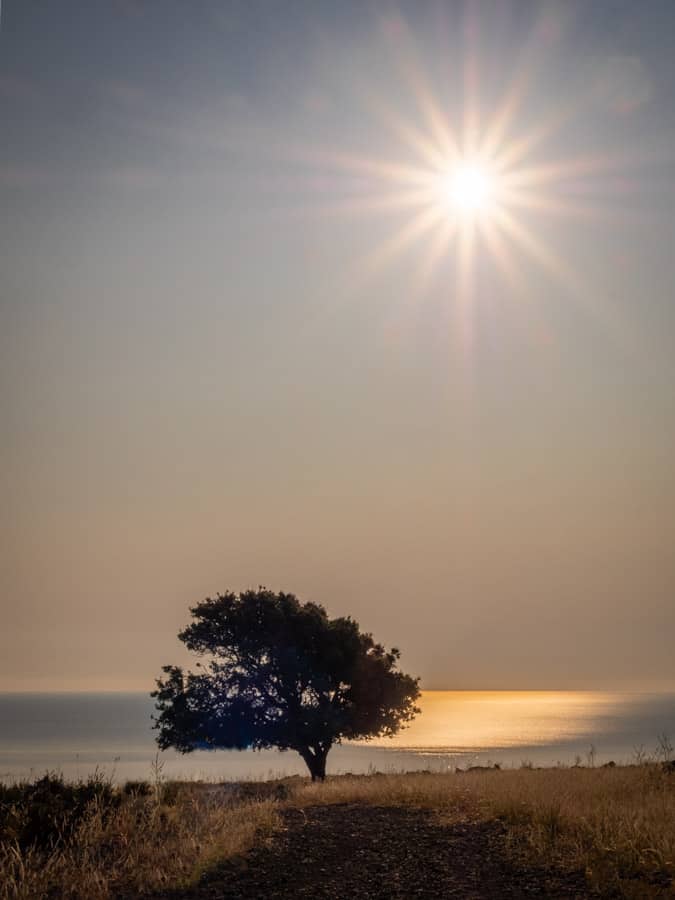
(315, 758)
(319, 770)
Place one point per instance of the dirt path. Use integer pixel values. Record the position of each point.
(359, 852)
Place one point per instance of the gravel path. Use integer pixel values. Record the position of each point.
(360, 852)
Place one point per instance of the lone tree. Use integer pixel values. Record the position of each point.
(281, 674)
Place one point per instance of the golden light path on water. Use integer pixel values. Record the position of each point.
(456, 721)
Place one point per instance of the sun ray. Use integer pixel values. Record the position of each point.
(470, 77)
(474, 185)
(503, 255)
(434, 154)
(376, 203)
(438, 124)
(515, 94)
(373, 263)
(498, 128)
(536, 249)
(499, 252)
(417, 81)
(464, 285)
(435, 252)
(516, 150)
(590, 301)
(322, 158)
(554, 205)
(561, 170)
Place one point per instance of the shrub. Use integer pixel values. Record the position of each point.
(48, 810)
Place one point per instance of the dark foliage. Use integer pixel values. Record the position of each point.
(48, 810)
(280, 673)
(137, 788)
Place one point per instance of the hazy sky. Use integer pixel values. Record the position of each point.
(236, 349)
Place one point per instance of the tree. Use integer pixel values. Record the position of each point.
(280, 673)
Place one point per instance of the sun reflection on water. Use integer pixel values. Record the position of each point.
(454, 721)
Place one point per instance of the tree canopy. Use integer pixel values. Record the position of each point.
(280, 673)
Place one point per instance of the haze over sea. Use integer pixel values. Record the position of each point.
(79, 732)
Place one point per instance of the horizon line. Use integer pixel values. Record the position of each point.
(432, 690)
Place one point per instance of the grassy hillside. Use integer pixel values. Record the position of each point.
(95, 840)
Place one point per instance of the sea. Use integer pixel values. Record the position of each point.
(78, 734)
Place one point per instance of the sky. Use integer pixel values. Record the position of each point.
(248, 335)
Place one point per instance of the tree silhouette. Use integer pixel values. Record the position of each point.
(281, 674)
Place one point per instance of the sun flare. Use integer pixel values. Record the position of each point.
(468, 184)
(469, 188)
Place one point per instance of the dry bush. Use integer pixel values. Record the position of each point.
(144, 844)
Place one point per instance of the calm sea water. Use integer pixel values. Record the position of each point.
(77, 733)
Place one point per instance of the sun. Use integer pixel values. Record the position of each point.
(467, 183)
(469, 188)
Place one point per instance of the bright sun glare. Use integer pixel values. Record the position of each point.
(466, 185)
(469, 188)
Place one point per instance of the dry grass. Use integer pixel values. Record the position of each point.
(145, 844)
(617, 824)
(450, 795)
